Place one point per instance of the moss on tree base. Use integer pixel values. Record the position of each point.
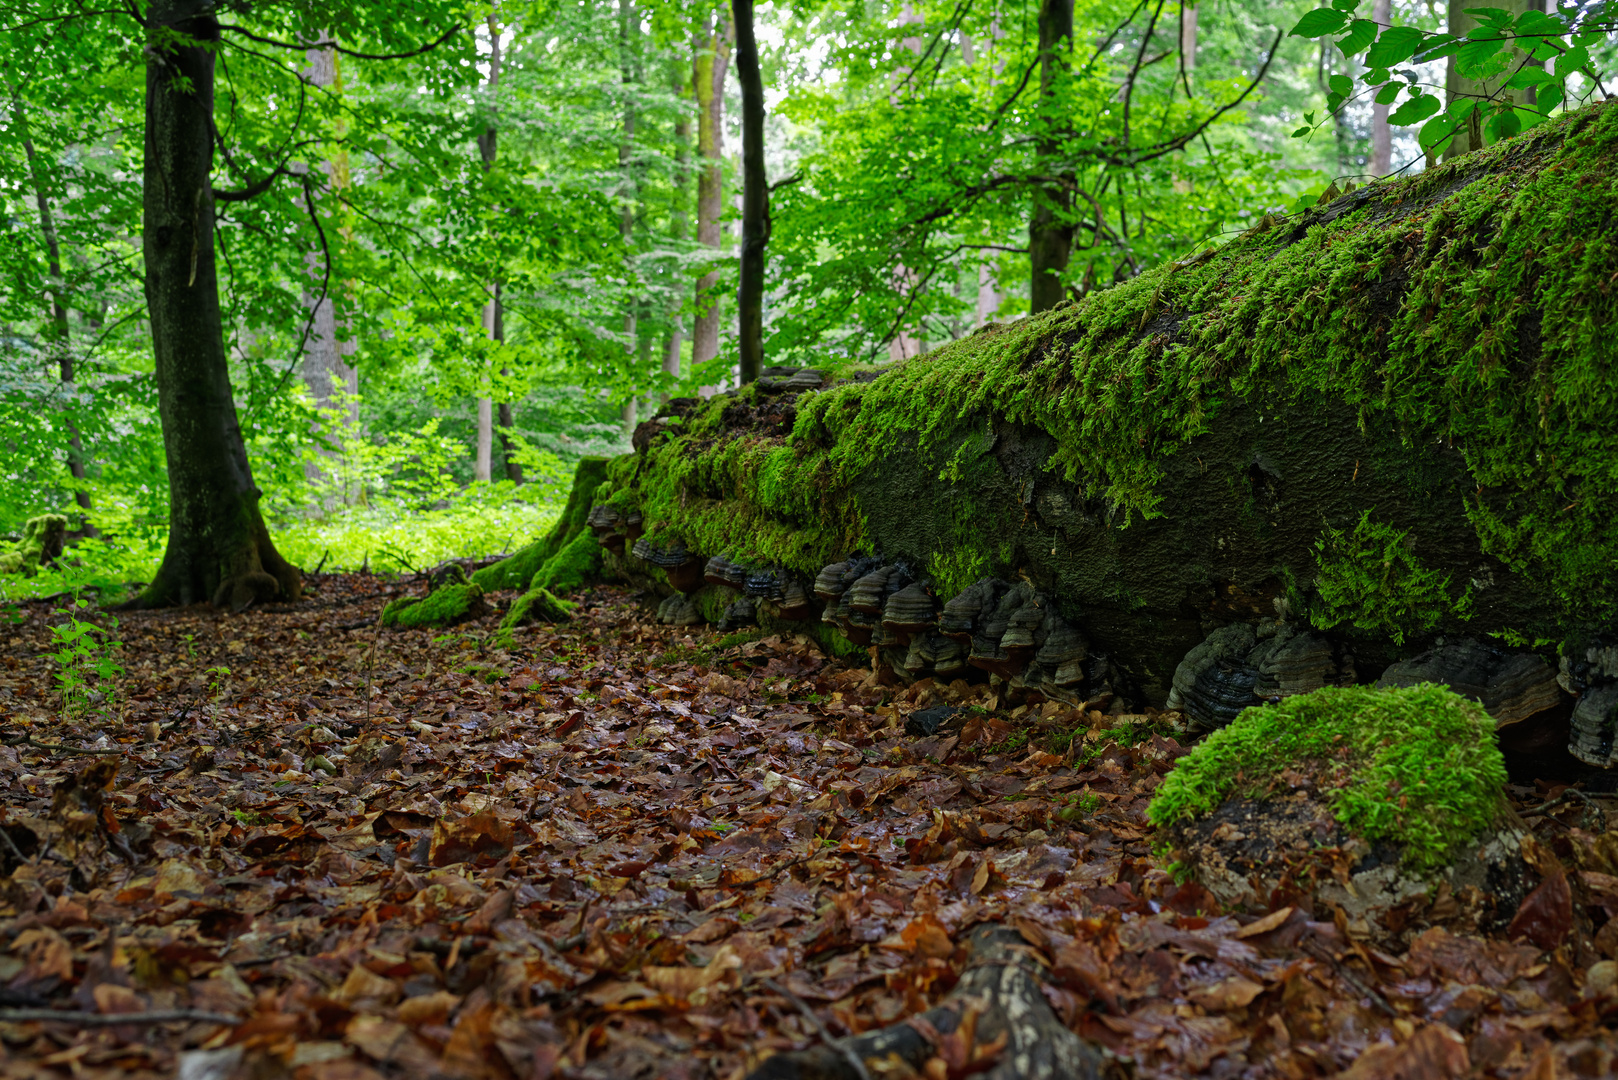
(445, 606)
(42, 541)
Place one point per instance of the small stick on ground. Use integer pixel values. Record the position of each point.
(83, 1019)
(855, 1062)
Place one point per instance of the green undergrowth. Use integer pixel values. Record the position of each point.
(1415, 766)
(1372, 579)
(518, 570)
(1466, 304)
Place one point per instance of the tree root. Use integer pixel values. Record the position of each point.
(998, 998)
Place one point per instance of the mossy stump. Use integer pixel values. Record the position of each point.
(42, 542)
(453, 599)
(1355, 797)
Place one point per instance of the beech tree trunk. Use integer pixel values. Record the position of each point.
(494, 316)
(711, 58)
(755, 196)
(1050, 233)
(218, 546)
(1381, 130)
(61, 334)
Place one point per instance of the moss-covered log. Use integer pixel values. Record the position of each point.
(1386, 417)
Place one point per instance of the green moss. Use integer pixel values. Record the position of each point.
(1465, 305)
(393, 608)
(571, 568)
(537, 605)
(518, 569)
(1370, 578)
(444, 606)
(1416, 766)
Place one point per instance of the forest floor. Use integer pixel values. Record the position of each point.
(623, 850)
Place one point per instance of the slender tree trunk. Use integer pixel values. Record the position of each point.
(679, 227)
(627, 196)
(904, 344)
(1050, 233)
(325, 371)
(1470, 135)
(711, 58)
(488, 147)
(755, 196)
(494, 316)
(1381, 130)
(1188, 39)
(218, 546)
(61, 335)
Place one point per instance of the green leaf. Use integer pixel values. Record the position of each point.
(1537, 22)
(1396, 45)
(1530, 76)
(1309, 118)
(1341, 85)
(1301, 132)
(1334, 101)
(1345, 5)
(1376, 77)
(1571, 61)
(1415, 110)
(1436, 133)
(1547, 98)
(1438, 47)
(1483, 59)
(1319, 23)
(1361, 32)
(1491, 18)
(1502, 125)
(1388, 93)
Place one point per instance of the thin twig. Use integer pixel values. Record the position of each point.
(84, 1019)
(855, 1062)
(12, 844)
(1320, 952)
(59, 748)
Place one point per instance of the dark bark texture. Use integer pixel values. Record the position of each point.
(755, 196)
(1050, 233)
(218, 547)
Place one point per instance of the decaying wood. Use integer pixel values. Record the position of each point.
(1000, 988)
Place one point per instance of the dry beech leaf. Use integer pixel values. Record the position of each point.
(1232, 993)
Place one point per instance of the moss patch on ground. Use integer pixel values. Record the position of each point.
(444, 606)
(537, 605)
(1414, 766)
(42, 540)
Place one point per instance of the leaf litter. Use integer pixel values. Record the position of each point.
(297, 845)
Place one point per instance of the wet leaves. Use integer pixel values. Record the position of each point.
(593, 855)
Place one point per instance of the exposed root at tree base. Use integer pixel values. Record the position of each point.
(999, 1000)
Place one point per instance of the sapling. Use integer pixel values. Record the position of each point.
(87, 668)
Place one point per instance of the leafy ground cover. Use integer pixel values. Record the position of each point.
(294, 844)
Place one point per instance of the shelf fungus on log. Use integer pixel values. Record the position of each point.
(722, 571)
(682, 567)
(1511, 686)
(1590, 670)
(679, 609)
(999, 995)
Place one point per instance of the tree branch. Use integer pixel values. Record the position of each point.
(296, 47)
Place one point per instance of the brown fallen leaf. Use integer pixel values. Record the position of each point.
(1263, 926)
(1546, 914)
(1233, 993)
(1436, 1052)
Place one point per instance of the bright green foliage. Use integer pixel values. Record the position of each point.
(444, 606)
(571, 568)
(1503, 56)
(1416, 766)
(1498, 345)
(86, 658)
(1372, 579)
(38, 534)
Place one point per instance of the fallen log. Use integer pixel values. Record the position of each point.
(1374, 424)
(998, 998)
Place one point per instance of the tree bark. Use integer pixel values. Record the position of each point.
(61, 334)
(755, 196)
(628, 194)
(1469, 137)
(326, 373)
(679, 227)
(493, 323)
(1381, 130)
(218, 546)
(711, 56)
(1050, 233)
